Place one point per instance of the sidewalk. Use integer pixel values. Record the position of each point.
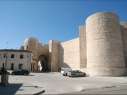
(20, 89)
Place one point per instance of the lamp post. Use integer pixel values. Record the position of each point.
(4, 75)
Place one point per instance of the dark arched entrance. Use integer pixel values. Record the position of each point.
(43, 63)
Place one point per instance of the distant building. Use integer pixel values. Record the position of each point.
(14, 59)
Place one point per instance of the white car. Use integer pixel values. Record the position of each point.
(64, 71)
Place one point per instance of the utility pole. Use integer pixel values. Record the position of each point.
(4, 74)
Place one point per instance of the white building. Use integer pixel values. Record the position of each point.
(14, 59)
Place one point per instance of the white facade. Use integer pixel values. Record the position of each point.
(15, 59)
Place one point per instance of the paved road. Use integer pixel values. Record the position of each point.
(112, 90)
(55, 83)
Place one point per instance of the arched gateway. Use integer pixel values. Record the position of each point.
(43, 65)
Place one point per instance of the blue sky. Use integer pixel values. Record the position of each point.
(49, 19)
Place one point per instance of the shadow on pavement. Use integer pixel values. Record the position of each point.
(10, 89)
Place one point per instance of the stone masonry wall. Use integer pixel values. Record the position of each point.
(82, 41)
(124, 37)
(54, 50)
(105, 55)
(71, 54)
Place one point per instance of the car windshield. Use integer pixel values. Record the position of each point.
(65, 69)
(75, 71)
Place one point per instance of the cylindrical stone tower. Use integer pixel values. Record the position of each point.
(124, 36)
(105, 55)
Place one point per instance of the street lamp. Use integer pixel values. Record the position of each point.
(4, 75)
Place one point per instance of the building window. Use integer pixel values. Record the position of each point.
(4, 56)
(27, 47)
(12, 56)
(12, 66)
(20, 66)
(21, 56)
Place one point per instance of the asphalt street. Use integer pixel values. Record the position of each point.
(55, 83)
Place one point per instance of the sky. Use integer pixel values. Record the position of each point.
(49, 19)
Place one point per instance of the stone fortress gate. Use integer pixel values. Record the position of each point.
(45, 58)
(100, 49)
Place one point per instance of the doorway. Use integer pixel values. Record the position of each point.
(43, 64)
(20, 66)
(12, 66)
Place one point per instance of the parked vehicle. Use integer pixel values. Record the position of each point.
(64, 71)
(1, 71)
(20, 72)
(76, 73)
